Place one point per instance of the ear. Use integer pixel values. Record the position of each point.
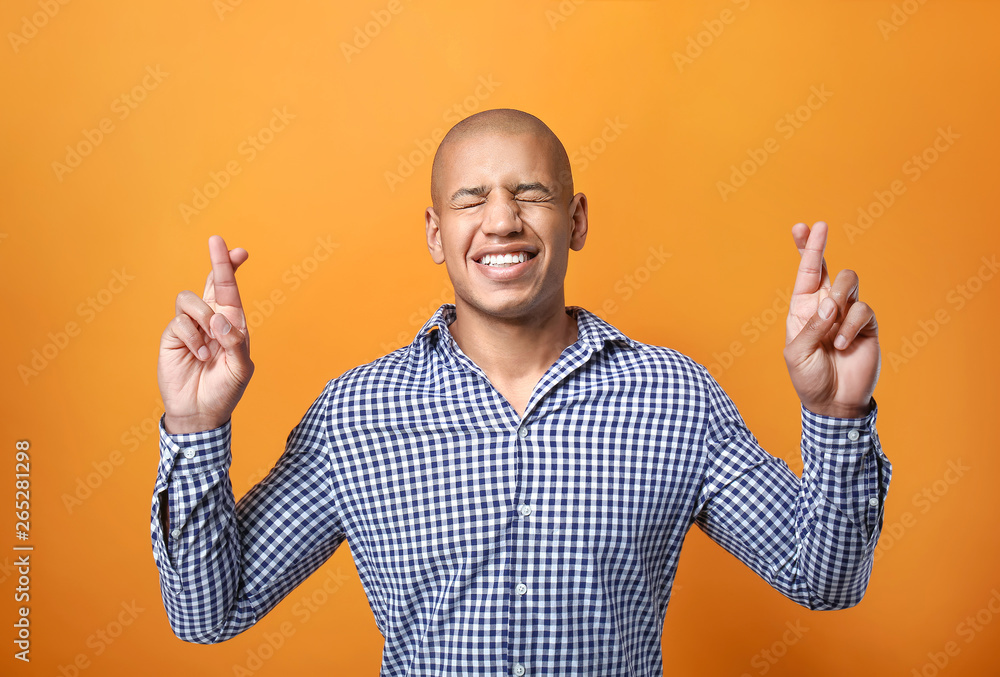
(578, 217)
(434, 236)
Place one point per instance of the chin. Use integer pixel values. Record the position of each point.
(505, 311)
(506, 308)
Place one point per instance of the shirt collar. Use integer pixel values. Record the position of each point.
(591, 329)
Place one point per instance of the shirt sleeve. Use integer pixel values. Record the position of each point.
(813, 539)
(224, 565)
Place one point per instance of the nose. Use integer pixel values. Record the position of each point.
(502, 216)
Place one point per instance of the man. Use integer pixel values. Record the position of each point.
(516, 484)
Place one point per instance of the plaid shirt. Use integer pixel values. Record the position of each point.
(491, 544)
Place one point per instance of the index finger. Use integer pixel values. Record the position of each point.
(223, 273)
(811, 242)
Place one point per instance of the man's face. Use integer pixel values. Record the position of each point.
(501, 196)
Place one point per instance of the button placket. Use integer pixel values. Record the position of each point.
(520, 610)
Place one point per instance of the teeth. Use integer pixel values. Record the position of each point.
(504, 259)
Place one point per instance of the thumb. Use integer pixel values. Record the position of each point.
(818, 326)
(237, 348)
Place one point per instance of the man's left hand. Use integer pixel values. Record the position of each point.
(834, 361)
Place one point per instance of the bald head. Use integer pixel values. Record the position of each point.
(503, 122)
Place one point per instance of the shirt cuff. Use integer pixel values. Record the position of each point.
(853, 436)
(188, 454)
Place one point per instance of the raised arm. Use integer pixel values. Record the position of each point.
(224, 565)
(812, 538)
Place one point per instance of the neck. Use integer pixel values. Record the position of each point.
(513, 349)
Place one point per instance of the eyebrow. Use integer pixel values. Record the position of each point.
(480, 191)
(527, 187)
(474, 191)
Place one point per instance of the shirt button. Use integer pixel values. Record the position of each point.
(873, 502)
(518, 669)
(175, 533)
(522, 432)
(853, 435)
(189, 453)
(525, 510)
(521, 588)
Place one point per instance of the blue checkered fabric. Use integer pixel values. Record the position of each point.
(490, 544)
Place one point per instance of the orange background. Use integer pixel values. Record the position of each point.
(672, 130)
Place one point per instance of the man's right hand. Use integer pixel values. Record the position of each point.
(204, 363)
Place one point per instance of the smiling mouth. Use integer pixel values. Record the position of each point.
(503, 260)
